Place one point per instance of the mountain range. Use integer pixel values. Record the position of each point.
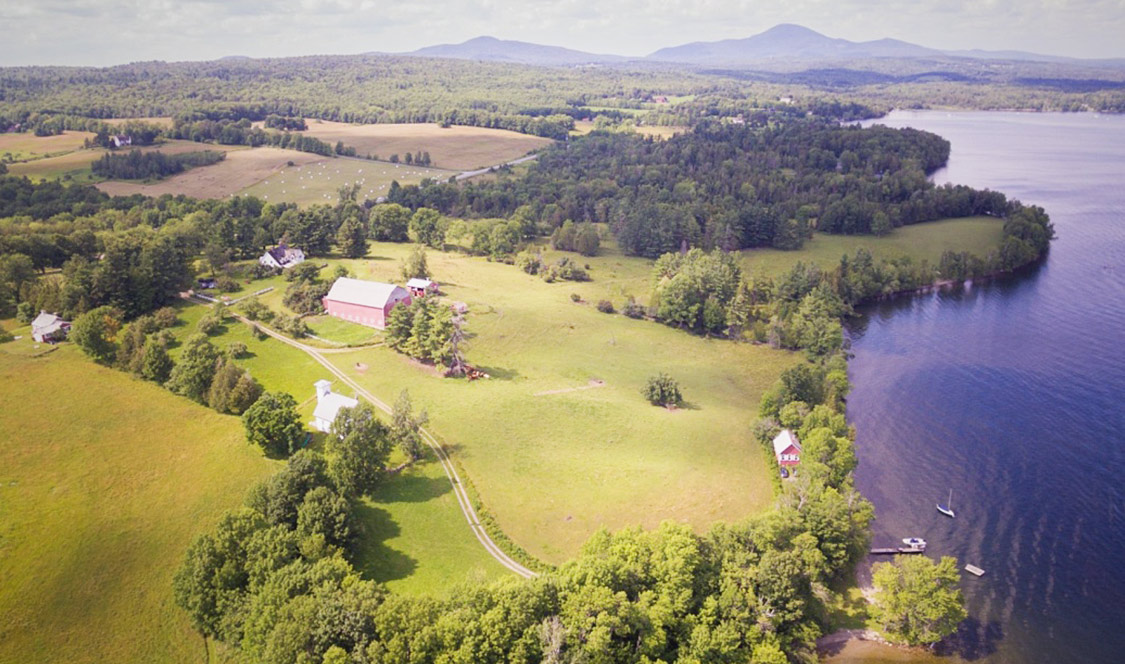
(782, 42)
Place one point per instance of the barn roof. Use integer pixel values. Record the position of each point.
(419, 283)
(784, 440)
(365, 293)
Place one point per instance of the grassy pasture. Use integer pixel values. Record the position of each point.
(318, 180)
(560, 442)
(927, 241)
(457, 148)
(25, 146)
(102, 488)
(415, 538)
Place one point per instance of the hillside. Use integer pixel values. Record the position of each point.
(503, 50)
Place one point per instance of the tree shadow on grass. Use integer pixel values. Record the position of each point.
(973, 640)
(372, 557)
(499, 373)
(412, 489)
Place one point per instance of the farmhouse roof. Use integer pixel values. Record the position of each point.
(784, 440)
(45, 319)
(364, 293)
(283, 254)
(329, 405)
(419, 283)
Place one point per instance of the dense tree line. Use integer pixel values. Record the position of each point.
(198, 127)
(725, 186)
(137, 165)
(287, 124)
(803, 309)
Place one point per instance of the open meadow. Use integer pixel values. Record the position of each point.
(319, 179)
(105, 481)
(560, 442)
(583, 127)
(457, 148)
(25, 146)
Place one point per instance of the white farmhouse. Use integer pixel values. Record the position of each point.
(49, 328)
(281, 257)
(328, 405)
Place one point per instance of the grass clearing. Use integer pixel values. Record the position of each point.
(583, 127)
(319, 180)
(555, 468)
(24, 146)
(457, 148)
(342, 331)
(415, 537)
(927, 241)
(102, 490)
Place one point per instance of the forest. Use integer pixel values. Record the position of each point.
(542, 101)
(725, 185)
(137, 165)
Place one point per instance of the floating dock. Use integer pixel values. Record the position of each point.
(893, 550)
(973, 569)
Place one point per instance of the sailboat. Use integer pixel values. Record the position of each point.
(947, 508)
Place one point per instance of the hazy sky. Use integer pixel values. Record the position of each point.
(101, 32)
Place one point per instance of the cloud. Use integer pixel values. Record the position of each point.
(112, 31)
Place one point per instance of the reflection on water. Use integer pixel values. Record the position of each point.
(1010, 392)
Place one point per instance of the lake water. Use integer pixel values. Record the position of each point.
(1012, 393)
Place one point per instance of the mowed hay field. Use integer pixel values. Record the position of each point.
(319, 180)
(456, 148)
(105, 481)
(241, 169)
(560, 442)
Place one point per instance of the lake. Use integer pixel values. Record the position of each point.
(1012, 394)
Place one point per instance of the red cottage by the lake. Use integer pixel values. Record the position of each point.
(364, 302)
(787, 449)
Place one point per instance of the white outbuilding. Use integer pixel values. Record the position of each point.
(328, 405)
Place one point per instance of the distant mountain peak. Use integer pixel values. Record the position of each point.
(505, 50)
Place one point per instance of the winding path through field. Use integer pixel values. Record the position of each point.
(463, 500)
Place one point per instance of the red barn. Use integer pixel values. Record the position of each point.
(364, 302)
(787, 449)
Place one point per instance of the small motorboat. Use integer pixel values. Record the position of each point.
(947, 508)
(914, 543)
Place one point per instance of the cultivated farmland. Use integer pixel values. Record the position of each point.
(454, 148)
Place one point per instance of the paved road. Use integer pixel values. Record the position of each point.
(468, 174)
(467, 508)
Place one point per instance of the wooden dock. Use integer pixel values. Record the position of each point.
(894, 550)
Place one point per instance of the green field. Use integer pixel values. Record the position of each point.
(926, 241)
(555, 457)
(105, 481)
(319, 182)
